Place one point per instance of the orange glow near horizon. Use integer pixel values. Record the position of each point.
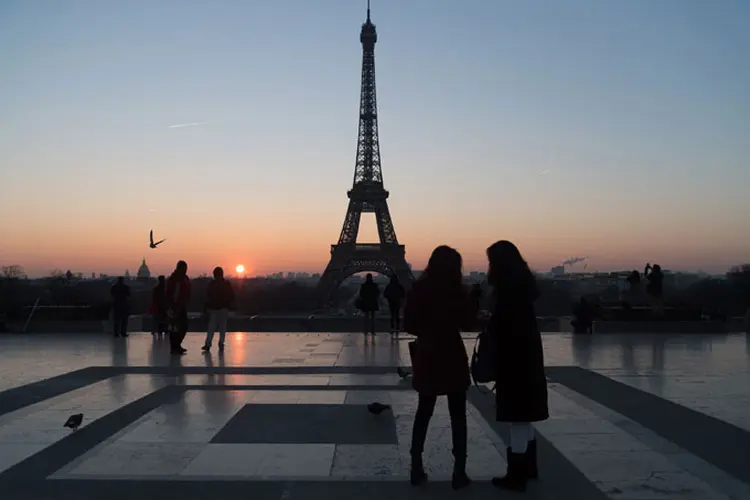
(240, 269)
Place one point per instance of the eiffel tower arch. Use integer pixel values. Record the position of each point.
(368, 195)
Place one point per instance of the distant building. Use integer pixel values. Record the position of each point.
(143, 271)
(557, 271)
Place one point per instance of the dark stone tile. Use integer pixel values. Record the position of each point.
(696, 432)
(308, 424)
(289, 360)
(68, 489)
(29, 394)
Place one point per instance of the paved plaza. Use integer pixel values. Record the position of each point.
(283, 416)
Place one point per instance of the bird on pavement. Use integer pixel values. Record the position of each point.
(74, 421)
(151, 240)
(377, 408)
(402, 373)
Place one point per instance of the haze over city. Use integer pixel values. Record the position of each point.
(615, 130)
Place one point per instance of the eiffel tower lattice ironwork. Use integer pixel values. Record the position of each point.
(367, 195)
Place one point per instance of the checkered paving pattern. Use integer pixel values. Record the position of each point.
(612, 434)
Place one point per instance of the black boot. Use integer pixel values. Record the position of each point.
(532, 472)
(460, 479)
(417, 475)
(515, 476)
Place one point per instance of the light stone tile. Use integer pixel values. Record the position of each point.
(227, 460)
(375, 460)
(139, 459)
(724, 484)
(484, 460)
(297, 460)
(618, 463)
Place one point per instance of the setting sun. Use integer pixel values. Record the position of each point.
(240, 269)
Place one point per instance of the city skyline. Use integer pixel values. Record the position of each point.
(614, 131)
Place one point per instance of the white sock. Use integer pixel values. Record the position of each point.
(519, 436)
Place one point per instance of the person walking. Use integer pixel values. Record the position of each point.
(178, 298)
(521, 388)
(120, 307)
(367, 302)
(437, 309)
(394, 293)
(219, 298)
(159, 307)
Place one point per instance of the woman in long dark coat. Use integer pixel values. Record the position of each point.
(437, 309)
(521, 390)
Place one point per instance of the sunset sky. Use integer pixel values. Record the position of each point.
(618, 130)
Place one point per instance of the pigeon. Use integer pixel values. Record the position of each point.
(74, 421)
(377, 408)
(402, 373)
(151, 240)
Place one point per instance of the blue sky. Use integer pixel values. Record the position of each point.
(614, 129)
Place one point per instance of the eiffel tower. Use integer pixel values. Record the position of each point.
(367, 194)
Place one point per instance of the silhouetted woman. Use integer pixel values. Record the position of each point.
(521, 390)
(369, 293)
(159, 307)
(394, 293)
(437, 309)
(178, 297)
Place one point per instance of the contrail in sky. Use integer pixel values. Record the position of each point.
(191, 124)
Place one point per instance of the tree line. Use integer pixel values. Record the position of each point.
(72, 297)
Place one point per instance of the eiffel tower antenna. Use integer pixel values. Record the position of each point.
(367, 195)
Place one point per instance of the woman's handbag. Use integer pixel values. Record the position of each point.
(483, 359)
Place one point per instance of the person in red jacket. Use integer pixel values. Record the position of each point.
(178, 297)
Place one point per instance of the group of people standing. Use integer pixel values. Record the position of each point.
(438, 308)
(169, 307)
(368, 301)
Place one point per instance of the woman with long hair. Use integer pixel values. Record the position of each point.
(521, 390)
(437, 309)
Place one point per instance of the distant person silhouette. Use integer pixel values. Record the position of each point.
(394, 293)
(583, 317)
(178, 299)
(437, 309)
(120, 307)
(521, 389)
(159, 307)
(219, 298)
(655, 287)
(634, 288)
(367, 302)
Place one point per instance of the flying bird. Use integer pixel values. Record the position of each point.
(377, 408)
(74, 421)
(151, 239)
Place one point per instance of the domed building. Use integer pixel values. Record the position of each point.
(143, 272)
